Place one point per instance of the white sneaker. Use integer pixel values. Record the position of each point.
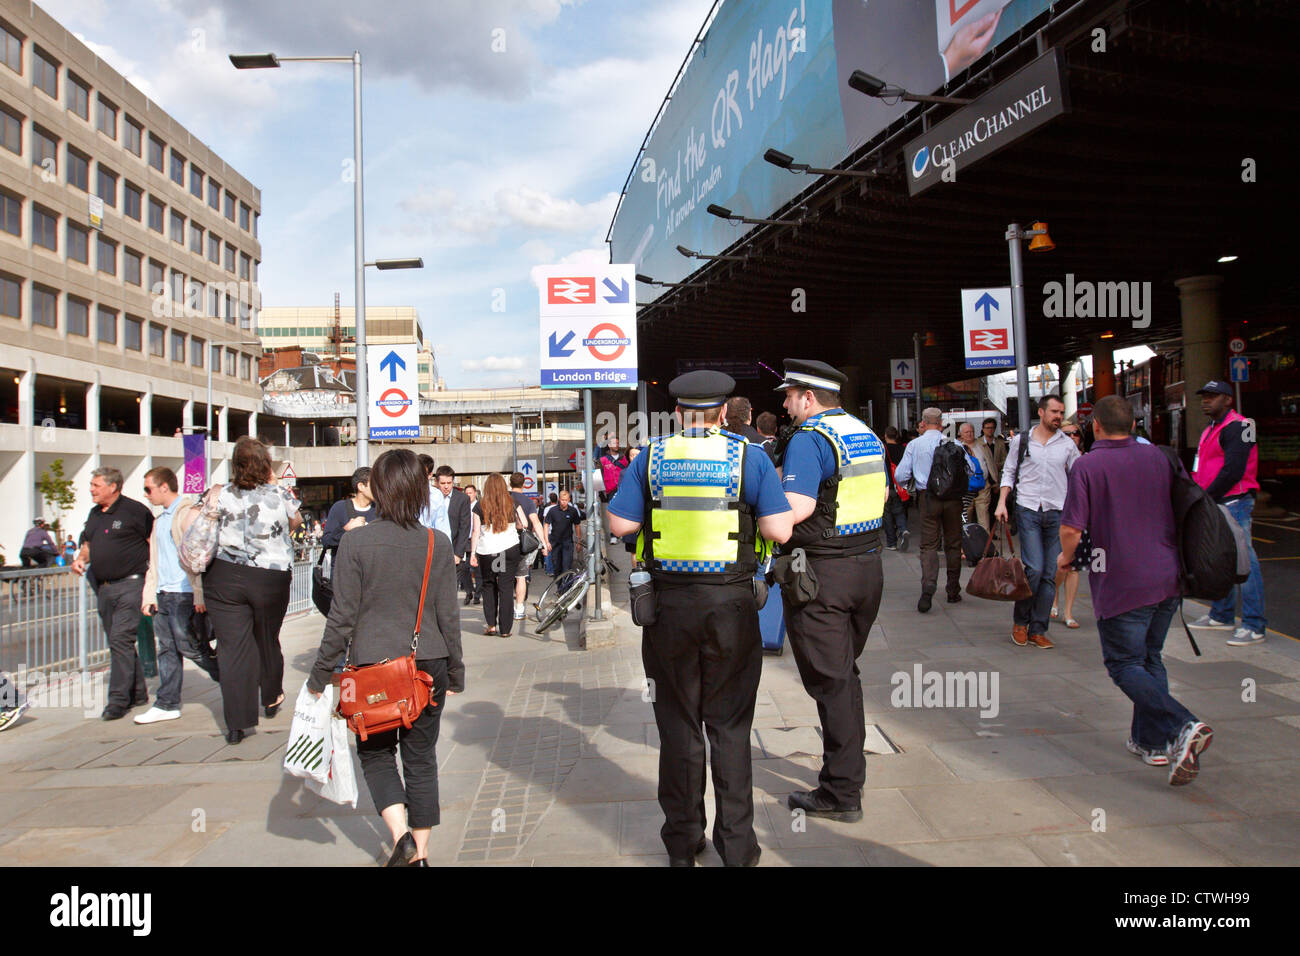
(1184, 753)
(1152, 758)
(614, 539)
(1244, 637)
(520, 611)
(154, 714)
(1208, 622)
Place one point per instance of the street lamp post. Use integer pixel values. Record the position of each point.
(1040, 242)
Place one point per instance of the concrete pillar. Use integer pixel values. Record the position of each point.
(1070, 387)
(1203, 345)
(221, 423)
(187, 416)
(252, 423)
(1103, 369)
(146, 410)
(27, 419)
(92, 418)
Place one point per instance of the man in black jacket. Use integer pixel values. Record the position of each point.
(458, 516)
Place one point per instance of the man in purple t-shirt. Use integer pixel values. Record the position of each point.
(1120, 492)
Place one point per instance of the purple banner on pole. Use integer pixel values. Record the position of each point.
(193, 483)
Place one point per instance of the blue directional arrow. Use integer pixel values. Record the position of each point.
(527, 468)
(621, 293)
(902, 368)
(557, 348)
(985, 302)
(392, 361)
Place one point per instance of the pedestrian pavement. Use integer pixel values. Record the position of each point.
(550, 757)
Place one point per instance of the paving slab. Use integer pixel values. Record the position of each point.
(97, 807)
(1150, 846)
(1142, 797)
(1262, 841)
(986, 809)
(991, 851)
(1006, 758)
(886, 818)
(115, 846)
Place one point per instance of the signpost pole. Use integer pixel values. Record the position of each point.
(541, 473)
(1018, 327)
(916, 367)
(589, 481)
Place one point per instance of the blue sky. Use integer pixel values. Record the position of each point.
(498, 136)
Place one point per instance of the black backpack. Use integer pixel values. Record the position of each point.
(948, 475)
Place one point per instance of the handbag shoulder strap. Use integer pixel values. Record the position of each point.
(424, 588)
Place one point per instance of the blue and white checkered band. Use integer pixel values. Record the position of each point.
(841, 450)
(735, 449)
(694, 567)
(656, 462)
(858, 527)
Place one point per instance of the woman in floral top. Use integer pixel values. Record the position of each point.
(247, 586)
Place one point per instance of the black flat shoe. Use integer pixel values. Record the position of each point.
(234, 736)
(112, 713)
(273, 709)
(404, 852)
(423, 863)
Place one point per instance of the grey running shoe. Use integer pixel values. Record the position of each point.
(1184, 753)
(1208, 622)
(1244, 637)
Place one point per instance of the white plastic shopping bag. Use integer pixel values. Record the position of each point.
(311, 745)
(340, 783)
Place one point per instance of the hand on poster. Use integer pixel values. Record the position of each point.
(970, 41)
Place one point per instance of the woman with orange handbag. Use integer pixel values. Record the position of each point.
(379, 574)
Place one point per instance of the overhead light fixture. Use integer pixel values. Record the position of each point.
(384, 265)
(1041, 241)
(1227, 258)
(722, 212)
(870, 85)
(668, 285)
(692, 254)
(254, 61)
(930, 339)
(1107, 335)
(786, 161)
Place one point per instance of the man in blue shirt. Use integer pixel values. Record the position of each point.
(171, 595)
(703, 497)
(940, 520)
(834, 475)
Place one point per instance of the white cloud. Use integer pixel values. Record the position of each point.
(493, 363)
(535, 250)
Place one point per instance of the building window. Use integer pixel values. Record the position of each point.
(106, 185)
(245, 367)
(230, 258)
(78, 97)
(230, 206)
(107, 326)
(45, 228)
(78, 316)
(157, 336)
(78, 243)
(11, 132)
(214, 303)
(255, 218)
(244, 213)
(157, 278)
(156, 147)
(131, 266)
(45, 153)
(230, 362)
(133, 136)
(105, 117)
(245, 265)
(214, 193)
(245, 316)
(178, 287)
(230, 311)
(214, 248)
(45, 307)
(155, 215)
(105, 254)
(196, 182)
(178, 346)
(133, 333)
(11, 214)
(132, 199)
(11, 296)
(11, 48)
(196, 238)
(197, 347)
(178, 227)
(78, 170)
(45, 73)
(178, 168)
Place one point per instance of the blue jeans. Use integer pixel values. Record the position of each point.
(1040, 546)
(894, 519)
(1130, 645)
(173, 629)
(1252, 592)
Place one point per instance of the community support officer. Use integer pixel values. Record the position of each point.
(701, 499)
(115, 542)
(833, 474)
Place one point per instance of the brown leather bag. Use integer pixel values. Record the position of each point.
(997, 578)
(374, 698)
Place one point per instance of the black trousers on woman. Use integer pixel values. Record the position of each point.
(417, 785)
(246, 606)
(499, 587)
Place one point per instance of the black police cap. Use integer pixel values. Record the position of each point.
(702, 388)
(809, 373)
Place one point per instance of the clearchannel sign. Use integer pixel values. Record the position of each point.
(1011, 109)
(771, 74)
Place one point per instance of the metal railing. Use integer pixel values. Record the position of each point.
(49, 619)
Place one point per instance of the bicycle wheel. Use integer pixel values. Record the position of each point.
(563, 603)
(546, 603)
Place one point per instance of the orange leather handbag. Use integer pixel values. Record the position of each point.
(374, 698)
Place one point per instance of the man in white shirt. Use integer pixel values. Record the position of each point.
(940, 520)
(1037, 467)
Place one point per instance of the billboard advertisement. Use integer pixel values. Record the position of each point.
(772, 74)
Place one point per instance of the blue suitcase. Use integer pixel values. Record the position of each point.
(771, 622)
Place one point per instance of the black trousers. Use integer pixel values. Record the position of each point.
(827, 635)
(119, 610)
(470, 580)
(705, 657)
(940, 528)
(498, 572)
(246, 606)
(378, 753)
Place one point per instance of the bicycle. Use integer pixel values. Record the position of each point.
(566, 592)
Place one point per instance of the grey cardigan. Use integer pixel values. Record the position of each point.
(376, 578)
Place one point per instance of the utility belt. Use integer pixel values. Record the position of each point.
(643, 596)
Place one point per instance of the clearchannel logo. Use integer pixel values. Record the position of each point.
(920, 161)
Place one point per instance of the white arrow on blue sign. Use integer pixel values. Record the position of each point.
(987, 338)
(1239, 366)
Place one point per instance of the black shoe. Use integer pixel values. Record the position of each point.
(468, 598)
(923, 605)
(234, 736)
(752, 861)
(272, 709)
(954, 597)
(902, 540)
(423, 863)
(478, 599)
(689, 861)
(404, 852)
(112, 713)
(815, 803)
(139, 702)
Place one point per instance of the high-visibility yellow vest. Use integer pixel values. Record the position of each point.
(696, 521)
(851, 503)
